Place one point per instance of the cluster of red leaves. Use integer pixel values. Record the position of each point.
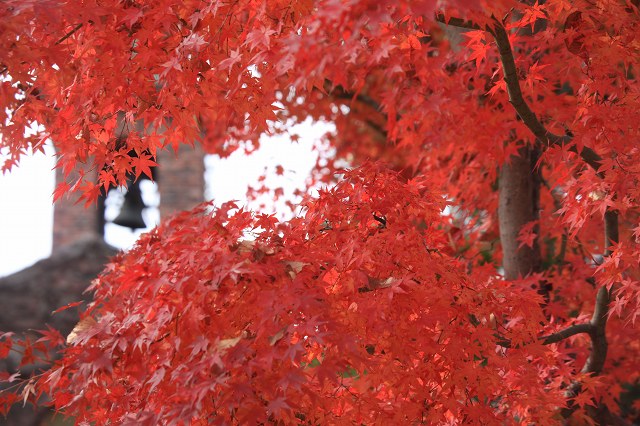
(355, 312)
(112, 82)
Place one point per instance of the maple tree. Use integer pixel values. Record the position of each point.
(517, 303)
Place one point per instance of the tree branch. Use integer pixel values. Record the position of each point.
(457, 22)
(566, 333)
(524, 111)
(340, 92)
(557, 336)
(515, 92)
(599, 345)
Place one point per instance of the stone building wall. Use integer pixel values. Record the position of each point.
(72, 221)
(180, 179)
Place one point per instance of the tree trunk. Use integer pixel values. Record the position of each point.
(519, 204)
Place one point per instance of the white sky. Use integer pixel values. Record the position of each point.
(26, 212)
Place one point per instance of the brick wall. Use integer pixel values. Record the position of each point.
(180, 179)
(71, 221)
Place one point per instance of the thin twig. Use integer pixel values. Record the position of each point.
(69, 34)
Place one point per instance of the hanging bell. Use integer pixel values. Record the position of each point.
(130, 215)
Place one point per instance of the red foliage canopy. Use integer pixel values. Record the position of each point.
(373, 306)
(333, 317)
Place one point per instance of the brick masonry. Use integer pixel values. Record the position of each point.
(71, 221)
(180, 179)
